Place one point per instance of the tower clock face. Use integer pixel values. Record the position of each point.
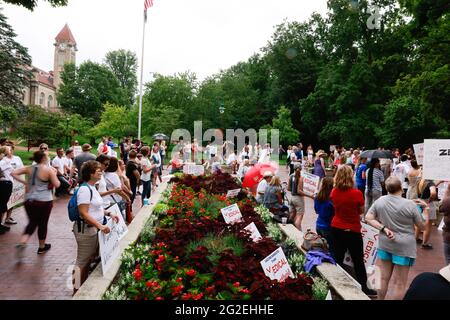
(62, 46)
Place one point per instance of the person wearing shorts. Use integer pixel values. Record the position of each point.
(396, 217)
(297, 202)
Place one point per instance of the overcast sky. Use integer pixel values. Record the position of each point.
(203, 36)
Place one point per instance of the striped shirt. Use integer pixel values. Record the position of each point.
(378, 179)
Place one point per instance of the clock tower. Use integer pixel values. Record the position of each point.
(65, 52)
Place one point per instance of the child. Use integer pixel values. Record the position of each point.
(324, 208)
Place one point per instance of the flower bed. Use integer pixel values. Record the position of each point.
(192, 254)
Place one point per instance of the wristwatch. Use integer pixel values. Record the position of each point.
(381, 230)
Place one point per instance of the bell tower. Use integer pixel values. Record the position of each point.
(65, 52)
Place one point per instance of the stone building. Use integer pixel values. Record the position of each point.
(44, 85)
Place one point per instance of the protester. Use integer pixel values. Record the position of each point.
(325, 211)
(261, 189)
(93, 215)
(396, 217)
(348, 205)
(310, 153)
(113, 182)
(103, 147)
(132, 173)
(293, 160)
(155, 160)
(146, 175)
(430, 286)
(288, 159)
(374, 183)
(401, 171)
(360, 175)
(176, 164)
(445, 209)
(273, 198)
(232, 161)
(38, 199)
(124, 179)
(319, 164)
(6, 184)
(102, 187)
(426, 190)
(297, 203)
(59, 164)
(44, 148)
(16, 163)
(414, 177)
(83, 157)
(162, 152)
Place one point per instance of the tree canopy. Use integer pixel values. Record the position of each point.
(31, 4)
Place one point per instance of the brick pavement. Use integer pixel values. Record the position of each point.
(48, 276)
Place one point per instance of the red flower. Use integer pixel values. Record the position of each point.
(198, 296)
(244, 291)
(159, 298)
(186, 296)
(210, 290)
(236, 284)
(137, 274)
(191, 273)
(176, 290)
(160, 259)
(179, 280)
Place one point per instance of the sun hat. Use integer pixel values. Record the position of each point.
(445, 272)
(320, 153)
(86, 147)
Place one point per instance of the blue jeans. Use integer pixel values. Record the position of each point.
(146, 191)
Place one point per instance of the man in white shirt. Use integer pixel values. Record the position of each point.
(59, 164)
(401, 171)
(16, 163)
(232, 161)
(262, 186)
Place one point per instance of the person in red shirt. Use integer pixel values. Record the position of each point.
(348, 205)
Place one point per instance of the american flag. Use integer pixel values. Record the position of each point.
(147, 4)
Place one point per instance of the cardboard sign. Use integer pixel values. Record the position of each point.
(370, 246)
(310, 183)
(254, 230)
(231, 214)
(193, 169)
(436, 160)
(418, 151)
(77, 150)
(121, 227)
(332, 148)
(109, 243)
(442, 189)
(233, 193)
(276, 266)
(17, 195)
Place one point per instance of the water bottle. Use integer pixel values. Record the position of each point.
(145, 202)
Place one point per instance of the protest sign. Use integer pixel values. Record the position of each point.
(436, 159)
(370, 246)
(276, 266)
(231, 213)
(254, 231)
(233, 193)
(310, 183)
(109, 246)
(193, 169)
(77, 150)
(121, 227)
(17, 195)
(442, 188)
(418, 151)
(332, 148)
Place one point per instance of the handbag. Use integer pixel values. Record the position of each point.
(312, 240)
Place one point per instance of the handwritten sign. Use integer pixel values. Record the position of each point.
(310, 183)
(276, 266)
(370, 246)
(77, 150)
(418, 151)
(442, 189)
(231, 213)
(436, 159)
(17, 195)
(254, 231)
(121, 227)
(233, 193)
(193, 169)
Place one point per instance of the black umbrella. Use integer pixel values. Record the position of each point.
(160, 136)
(377, 154)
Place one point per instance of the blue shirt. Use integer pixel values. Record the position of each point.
(360, 182)
(325, 210)
(299, 154)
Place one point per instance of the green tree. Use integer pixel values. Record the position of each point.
(124, 65)
(7, 117)
(31, 4)
(14, 65)
(87, 88)
(116, 121)
(288, 134)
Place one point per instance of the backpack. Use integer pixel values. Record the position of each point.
(72, 206)
(293, 185)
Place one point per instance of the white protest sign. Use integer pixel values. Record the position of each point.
(276, 266)
(418, 151)
(231, 213)
(442, 189)
(193, 169)
(77, 150)
(332, 148)
(310, 183)
(17, 195)
(255, 235)
(370, 246)
(109, 246)
(441, 225)
(121, 227)
(436, 159)
(233, 193)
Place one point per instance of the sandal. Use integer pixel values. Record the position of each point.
(419, 240)
(427, 246)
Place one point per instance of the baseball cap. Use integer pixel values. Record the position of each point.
(267, 174)
(86, 147)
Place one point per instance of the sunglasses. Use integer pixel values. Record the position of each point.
(43, 148)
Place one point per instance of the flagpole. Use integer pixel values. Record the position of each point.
(141, 85)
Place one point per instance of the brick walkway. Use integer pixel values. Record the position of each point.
(48, 276)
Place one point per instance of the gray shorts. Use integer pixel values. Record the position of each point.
(297, 203)
(87, 244)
